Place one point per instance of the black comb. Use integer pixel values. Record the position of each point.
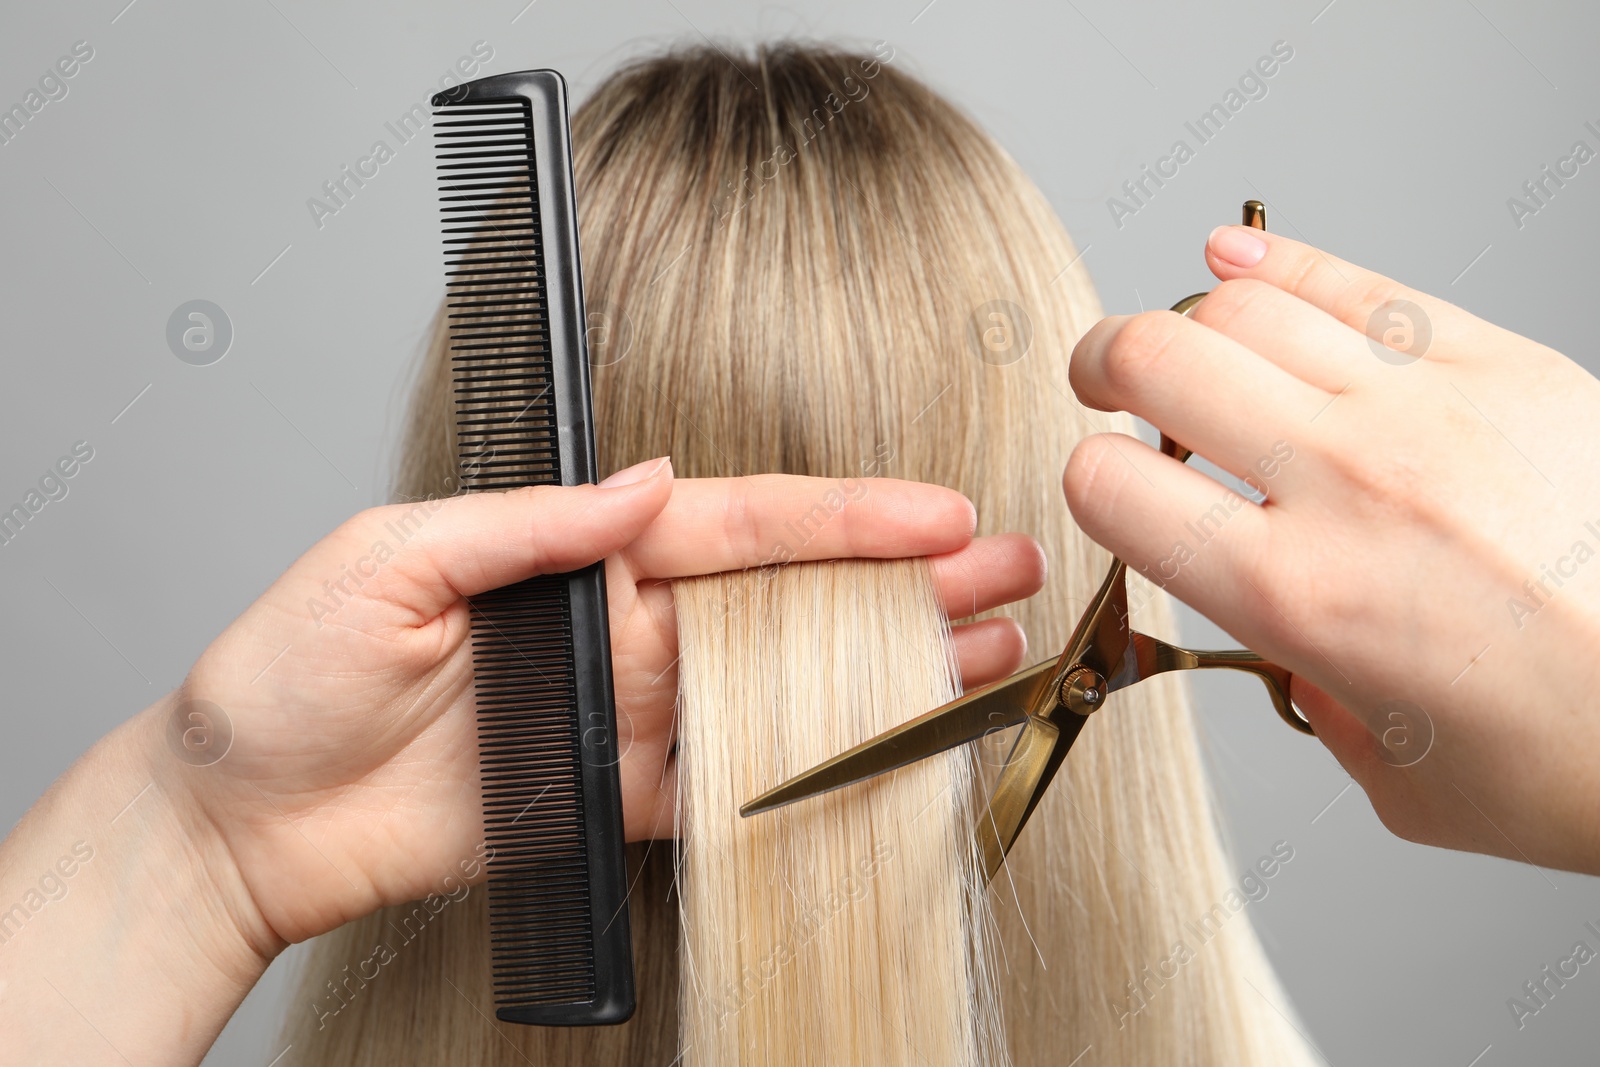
(541, 648)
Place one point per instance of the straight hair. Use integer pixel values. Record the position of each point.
(805, 260)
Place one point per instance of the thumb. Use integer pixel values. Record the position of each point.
(421, 558)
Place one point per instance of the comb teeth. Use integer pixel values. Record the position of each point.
(497, 300)
(541, 654)
(539, 911)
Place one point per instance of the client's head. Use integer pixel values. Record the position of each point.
(804, 260)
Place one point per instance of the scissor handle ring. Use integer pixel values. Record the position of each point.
(1275, 678)
(1286, 708)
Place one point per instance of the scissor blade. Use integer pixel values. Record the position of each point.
(1039, 751)
(992, 707)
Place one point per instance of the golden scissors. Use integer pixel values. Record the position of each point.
(1050, 700)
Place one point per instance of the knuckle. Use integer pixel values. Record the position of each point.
(1230, 299)
(738, 521)
(1401, 477)
(359, 529)
(1365, 293)
(1397, 487)
(1136, 351)
(1088, 495)
(1303, 273)
(355, 527)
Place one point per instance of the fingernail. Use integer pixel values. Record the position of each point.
(639, 472)
(1237, 245)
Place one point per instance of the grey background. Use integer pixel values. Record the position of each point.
(179, 165)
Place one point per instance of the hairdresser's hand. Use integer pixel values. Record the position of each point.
(351, 781)
(333, 768)
(1428, 557)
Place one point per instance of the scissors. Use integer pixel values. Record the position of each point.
(1051, 701)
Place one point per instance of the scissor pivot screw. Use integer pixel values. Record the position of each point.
(1082, 690)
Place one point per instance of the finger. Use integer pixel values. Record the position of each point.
(1169, 522)
(1304, 340)
(418, 559)
(765, 520)
(664, 801)
(1194, 384)
(989, 650)
(1365, 301)
(989, 572)
(649, 777)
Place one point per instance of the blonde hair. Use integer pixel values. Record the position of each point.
(854, 923)
(809, 262)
